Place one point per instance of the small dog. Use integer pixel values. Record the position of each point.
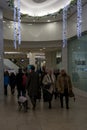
(23, 103)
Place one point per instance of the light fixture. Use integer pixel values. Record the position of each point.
(65, 25)
(79, 18)
(17, 23)
(48, 20)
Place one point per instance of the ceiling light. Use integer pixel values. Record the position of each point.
(4, 21)
(30, 24)
(33, 20)
(12, 52)
(48, 20)
(40, 49)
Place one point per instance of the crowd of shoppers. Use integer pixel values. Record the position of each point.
(33, 83)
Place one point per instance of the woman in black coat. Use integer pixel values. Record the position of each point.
(12, 82)
(33, 86)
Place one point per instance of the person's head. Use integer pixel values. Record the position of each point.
(49, 71)
(31, 68)
(63, 72)
(6, 73)
(20, 70)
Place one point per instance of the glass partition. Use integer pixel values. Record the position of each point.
(77, 62)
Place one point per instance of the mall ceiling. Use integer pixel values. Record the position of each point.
(37, 11)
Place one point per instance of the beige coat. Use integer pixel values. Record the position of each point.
(47, 80)
(60, 83)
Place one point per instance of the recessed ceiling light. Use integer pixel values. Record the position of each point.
(40, 49)
(48, 20)
(30, 24)
(4, 21)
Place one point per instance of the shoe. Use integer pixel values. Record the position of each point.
(67, 107)
(61, 106)
(20, 107)
(34, 106)
(50, 106)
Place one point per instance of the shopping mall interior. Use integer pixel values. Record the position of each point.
(50, 33)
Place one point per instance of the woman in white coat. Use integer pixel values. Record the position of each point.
(48, 86)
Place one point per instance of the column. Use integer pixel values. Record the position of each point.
(64, 58)
(51, 59)
(32, 58)
(1, 54)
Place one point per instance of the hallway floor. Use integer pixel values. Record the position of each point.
(43, 118)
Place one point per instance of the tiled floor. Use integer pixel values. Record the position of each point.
(43, 119)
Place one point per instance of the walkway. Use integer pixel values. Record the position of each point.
(44, 119)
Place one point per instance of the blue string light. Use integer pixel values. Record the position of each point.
(65, 26)
(19, 22)
(15, 28)
(79, 18)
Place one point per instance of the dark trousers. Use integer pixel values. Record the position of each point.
(21, 92)
(12, 89)
(47, 96)
(33, 101)
(66, 95)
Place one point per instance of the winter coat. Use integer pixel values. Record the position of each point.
(19, 81)
(33, 84)
(12, 80)
(49, 80)
(6, 80)
(60, 83)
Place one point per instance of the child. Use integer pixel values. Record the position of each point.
(23, 102)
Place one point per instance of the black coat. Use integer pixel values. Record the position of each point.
(33, 84)
(19, 80)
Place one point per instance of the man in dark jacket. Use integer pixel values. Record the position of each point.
(19, 83)
(33, 86)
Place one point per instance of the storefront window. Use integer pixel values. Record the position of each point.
(77, 61)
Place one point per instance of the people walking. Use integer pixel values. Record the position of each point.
(19, 81)
(33, 85)
(12, 82)
(64, 86)
(6, 82)
(48, 87)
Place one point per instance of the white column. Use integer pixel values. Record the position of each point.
(64, 58)
(51, 59)
(1, 54)
(32, 58)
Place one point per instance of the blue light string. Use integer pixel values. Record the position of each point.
(79, 18)
(15, 29)
(65, 26)
(19, 22)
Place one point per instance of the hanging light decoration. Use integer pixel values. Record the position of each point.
(65, 26)
(79, 18)
(15, 28)
(19, 22)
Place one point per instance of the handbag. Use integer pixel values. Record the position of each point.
(47, 86)
(71, 94)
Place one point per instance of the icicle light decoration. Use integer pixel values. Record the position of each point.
(79, 18)
(15, 28)
(19, 22)
(65, 26)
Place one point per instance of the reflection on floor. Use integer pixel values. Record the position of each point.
(44, 119)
